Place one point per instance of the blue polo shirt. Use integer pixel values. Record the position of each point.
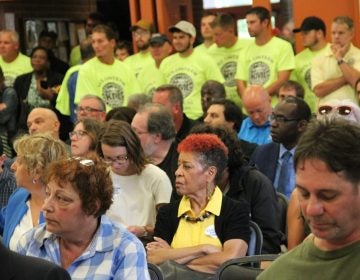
(252, 133)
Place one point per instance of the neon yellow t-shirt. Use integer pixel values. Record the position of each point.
(202, 48)
(302, 74)
(63, 100)
(259, 65)
(150, 78)
(75, 56)
(138, 61)
(227, 59)
(19, 66)
(189, 74)
(113, 83)
(192, 234)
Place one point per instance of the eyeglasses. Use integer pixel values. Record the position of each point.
(119, 159)
(139, 32)
(281, 119)
(78, 133)
(341, 110)
(83, 161)
(87, 110)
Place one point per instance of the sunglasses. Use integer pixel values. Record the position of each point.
(341, 110)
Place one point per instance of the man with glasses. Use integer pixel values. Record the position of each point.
(91, 106)
(275, 160)
(141, 31)
(334, 73)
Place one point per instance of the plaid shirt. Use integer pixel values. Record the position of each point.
(114, 253)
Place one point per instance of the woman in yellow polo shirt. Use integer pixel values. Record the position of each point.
(195, 235)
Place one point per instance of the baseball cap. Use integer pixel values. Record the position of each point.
(185, 27)
(159, 38)
(311, 23)
(143, 24)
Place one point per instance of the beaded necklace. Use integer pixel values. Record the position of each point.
(195, 220)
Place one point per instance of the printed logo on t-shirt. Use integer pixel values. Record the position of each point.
(113, 95)
(228, 71)
(307, 77)
(184, 82)
(259, 73)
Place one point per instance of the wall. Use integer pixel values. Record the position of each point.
(327, 10)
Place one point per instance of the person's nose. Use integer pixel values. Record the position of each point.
(313, 207)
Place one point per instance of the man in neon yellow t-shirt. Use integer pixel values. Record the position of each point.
(313, 31)
(12, 62)
(104, 75)
(150, 77)
(206, 30)
(226, 51)
(268, 60)
(189, 69)
(141, 31)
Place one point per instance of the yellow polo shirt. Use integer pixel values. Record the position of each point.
(195, 233)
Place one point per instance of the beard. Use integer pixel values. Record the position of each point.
(185, 49)
(142, 46)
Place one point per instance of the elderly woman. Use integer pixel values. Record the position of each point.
(77, 236)
(85, 136)
(140, 188)
(23, 211)
(204, 228)
(244, 181)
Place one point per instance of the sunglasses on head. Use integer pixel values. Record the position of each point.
(341, 110)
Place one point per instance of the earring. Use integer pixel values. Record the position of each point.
(34, 181)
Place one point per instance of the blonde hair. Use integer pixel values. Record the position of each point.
(37, 151)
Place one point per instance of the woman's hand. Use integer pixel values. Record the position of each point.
(45, 93)
(157, 244)
(210, 249)
(137, 230)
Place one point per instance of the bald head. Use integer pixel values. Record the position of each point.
(257, 103)
(43, 120)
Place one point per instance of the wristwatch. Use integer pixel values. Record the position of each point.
(341, 61)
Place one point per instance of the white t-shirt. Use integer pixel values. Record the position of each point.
(25, 225)
(136, 196)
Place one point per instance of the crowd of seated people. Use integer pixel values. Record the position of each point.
(166, 155)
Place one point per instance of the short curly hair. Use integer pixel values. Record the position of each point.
(210, 149)
(38, 151)
(92, 182)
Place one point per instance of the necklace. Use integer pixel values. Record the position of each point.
(195, 220)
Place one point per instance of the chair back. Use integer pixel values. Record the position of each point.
(283, 203)
(256, 240)
(245, 268)
(155, 272)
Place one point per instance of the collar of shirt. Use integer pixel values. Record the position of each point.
(213, 206)
(251, 124)
(283, 150)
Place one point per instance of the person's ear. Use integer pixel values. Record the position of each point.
(212, 170)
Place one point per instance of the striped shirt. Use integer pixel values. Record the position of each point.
(114, 253)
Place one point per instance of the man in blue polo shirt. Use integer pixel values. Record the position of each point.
(256, 127)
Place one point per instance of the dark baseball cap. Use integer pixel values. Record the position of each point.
(158, 39)
(311, 23)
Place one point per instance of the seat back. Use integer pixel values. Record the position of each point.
(155, 272)
(283, 203)
(256, 240)
(246, 268)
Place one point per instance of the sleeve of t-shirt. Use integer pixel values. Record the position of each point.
(162, 188)
(85, 84)
(317, 76)
(287, 58)
(241, 68)
(212, 70)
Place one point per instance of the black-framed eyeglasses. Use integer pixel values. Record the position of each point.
(281, 119)
(88, 110)
(119, 159)
(78, 133)
(341, 110)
